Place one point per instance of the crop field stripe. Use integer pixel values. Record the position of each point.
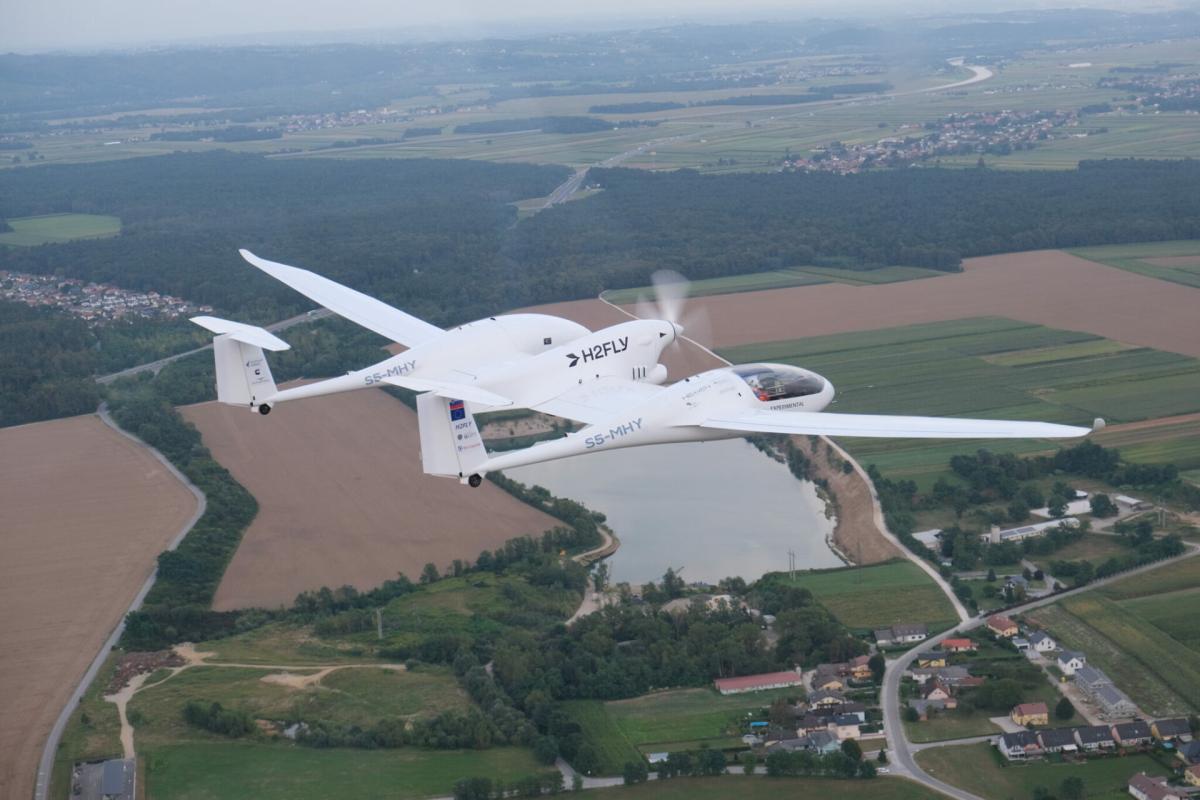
(600, 730)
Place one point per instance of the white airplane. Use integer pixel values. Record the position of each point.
(609, 380)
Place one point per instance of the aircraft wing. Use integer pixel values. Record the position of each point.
(884, 426)
(450, 390)
(372, 314)
(599, 401)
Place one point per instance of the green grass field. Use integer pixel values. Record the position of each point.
(1181, 575)
(978, 768)
(950, 725)
(250, 771)
(757, 787)
(51, 228)
(612, 747)
(356, 696)
(871, 597)
(1183, 265)
(994, 367)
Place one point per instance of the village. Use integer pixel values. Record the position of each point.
(94, 302)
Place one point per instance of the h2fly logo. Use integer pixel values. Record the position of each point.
(599, 351)
(601, 439)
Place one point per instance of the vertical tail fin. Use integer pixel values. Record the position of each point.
(450, 441)
(243, 376)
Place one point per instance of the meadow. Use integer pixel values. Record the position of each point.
(866, 598)
(746, 787)
(994, 367)
(219, 770)
(978, 768)
(51, 228)
(780, 279)
(1177, 261)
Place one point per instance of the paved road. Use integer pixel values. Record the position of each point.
(46, 765)
(902, 751)
(155, 366)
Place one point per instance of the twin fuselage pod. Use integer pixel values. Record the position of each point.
(728, 403)
(517, 360)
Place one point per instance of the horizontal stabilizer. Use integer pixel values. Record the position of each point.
(452, 391)
(240, 332)
(894, 427)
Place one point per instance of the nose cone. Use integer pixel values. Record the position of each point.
(677, 328)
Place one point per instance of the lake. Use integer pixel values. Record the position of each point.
(712, 509)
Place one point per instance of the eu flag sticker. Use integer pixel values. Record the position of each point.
(457, 410)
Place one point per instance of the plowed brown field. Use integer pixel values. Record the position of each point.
(1046, 287)
(342, 499)
(84, 512)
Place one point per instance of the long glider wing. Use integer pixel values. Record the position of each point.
(897, 427)
(361, 309)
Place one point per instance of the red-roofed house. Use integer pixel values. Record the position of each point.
(958, 645)
(1031, 714)
(757, 683)
(1002, 626)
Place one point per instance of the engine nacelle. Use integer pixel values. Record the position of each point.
(657, 375)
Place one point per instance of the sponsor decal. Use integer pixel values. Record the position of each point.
(601, 439)
(599, 351)
(400, 370)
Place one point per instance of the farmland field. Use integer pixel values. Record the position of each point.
(30, 231)
(1178, 261)
(977, 768)
(883, 594)
(343, 500)
(1173, 613)
(761, 788)
(992, 367)
(1180, 575)
(85, 514)
(220, 770)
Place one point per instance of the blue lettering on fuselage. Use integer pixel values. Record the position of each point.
(400, 370)
(601, 439)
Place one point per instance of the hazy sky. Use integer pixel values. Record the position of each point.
(36, 25)
(32, 25)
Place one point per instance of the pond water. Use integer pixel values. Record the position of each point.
(712, 509)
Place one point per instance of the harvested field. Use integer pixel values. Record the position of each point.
(1042, 287)
(85, 512)
(1174, 261)
(343, 500)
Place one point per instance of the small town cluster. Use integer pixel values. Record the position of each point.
(95, 302)
(971, 132)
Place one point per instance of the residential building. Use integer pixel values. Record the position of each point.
(1095, 737)
(1002, 626)
(1175, 729)
(757, 683)
(936, 690)
(1191, 775)
(1042, 642)
(906, 633)
(1019, 746)
(1132, 734)
(1189, 752)
(1143, 787)
(1089, 678)
(828, 680)
(951, 676)
(845, 726)
(825, 697)
(959, 645)
(1069, 661)
(1021, 644)
(932, 658)
(1058, 740)
(1030, 714)
(1114, 703)
(859, 669)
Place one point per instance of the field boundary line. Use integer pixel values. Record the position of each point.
(50, 748)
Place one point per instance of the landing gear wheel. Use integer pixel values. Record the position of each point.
(264, 409)
(475, 480)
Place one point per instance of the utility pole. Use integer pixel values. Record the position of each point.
(792, 565)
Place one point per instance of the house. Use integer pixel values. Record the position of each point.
(859, 669)
(757, 683)
(1069, 661)
(1042, 642)
(1128, 503)
(825, 697)
(1058, 740)
(845, 726)
(811, 723)
(1190, 752)
(857, 710)
(1030, 714)
(1113, 702)
(905, 633)
(823, 742)
(1175, 729)
(951, 676)
(936, 690)
(932, 658)
(1095, 737)
(1143, 787)
(1019, 746)
(959, 645)
(1132, 734)
(1191, 775)
(828, 677)
(1022, 645)
(1002, 626)
(1089, 679)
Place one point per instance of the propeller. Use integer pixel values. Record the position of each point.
(670, 301)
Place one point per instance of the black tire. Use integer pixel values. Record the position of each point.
(264, 409)
(475, 480)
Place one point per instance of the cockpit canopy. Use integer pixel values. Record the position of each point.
(778, 381)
